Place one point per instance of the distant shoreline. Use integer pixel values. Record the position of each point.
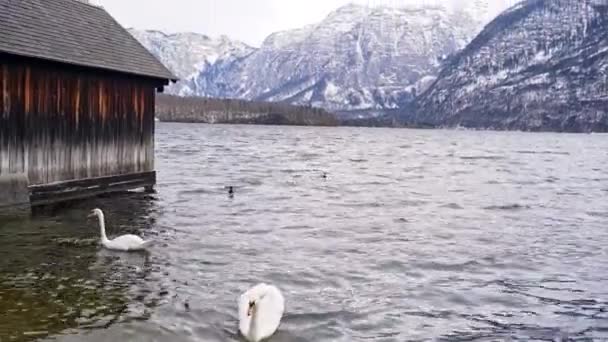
(229, 111)
(177, 109)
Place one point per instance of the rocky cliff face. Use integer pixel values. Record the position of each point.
(186, 54)
(541, 65)
(358, 58)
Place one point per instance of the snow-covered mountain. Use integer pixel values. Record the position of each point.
(541, 65)
(189, 53)
(358, 58)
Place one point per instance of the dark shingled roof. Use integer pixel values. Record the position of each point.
(74, 32)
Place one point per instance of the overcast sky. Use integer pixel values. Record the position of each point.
(247, 20)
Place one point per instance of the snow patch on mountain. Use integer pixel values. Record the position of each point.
(357, 58)
(187, 54)
(542, 65)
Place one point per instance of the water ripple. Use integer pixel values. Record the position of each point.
(412, 236)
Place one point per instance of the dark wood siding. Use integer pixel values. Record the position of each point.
(59, 122)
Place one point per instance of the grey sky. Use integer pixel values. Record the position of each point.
(247, 20)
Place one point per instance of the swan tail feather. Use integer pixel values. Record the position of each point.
(148, 244)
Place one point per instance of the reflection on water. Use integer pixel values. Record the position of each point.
(412, 235)
(55, 277)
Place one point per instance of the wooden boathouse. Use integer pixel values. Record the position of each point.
(77, 96)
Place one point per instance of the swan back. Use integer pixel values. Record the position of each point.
(126, 243)
(260, 311)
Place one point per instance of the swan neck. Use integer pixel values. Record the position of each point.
(102, 227)
(253, 324)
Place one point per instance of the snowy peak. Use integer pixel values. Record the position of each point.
(346, 18)
(188, 53)
(283, 39)
(357, 58)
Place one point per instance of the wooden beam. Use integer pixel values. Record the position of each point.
(78, 189)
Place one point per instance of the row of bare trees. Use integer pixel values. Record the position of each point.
(210, 110)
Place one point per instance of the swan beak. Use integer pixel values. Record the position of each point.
(250, 310)
(91, 215)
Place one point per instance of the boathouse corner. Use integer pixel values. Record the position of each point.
(77, 102)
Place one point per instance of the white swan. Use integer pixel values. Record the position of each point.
(260, 312)
(125, 243)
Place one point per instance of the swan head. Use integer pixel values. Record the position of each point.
(259, 296)
(251, 308)
(95, 213)
(254, 298)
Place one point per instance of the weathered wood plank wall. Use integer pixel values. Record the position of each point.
(60, 123)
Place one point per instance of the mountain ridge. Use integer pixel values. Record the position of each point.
(541, 65)
(357, 58)
(186, 53)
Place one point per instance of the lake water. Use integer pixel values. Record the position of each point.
(413, 236)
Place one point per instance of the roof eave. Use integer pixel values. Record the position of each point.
(170, 77)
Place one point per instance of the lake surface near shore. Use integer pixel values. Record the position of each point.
(414, 235)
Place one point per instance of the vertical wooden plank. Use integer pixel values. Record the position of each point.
(32, 133)
(150, 110)
(90, 131)
(5, 90)
(27, 91)
(3, 119)
(55, 160)
(58, 123)
(17, 116)
(45, 145)
(77, 101)
(11, 139)
(80, 158)
(69, 128)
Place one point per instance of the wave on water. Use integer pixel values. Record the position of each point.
(76, 241)
(598, 214)
(454, 206)
(544, 152)
(482, 157)
(514, 206)
(199, 191)
(409, 246)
